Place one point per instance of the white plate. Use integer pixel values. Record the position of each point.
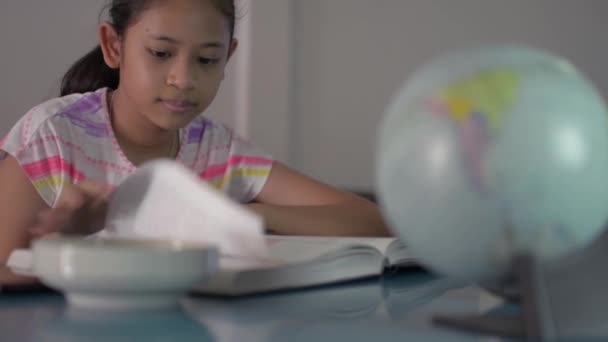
(122, 274)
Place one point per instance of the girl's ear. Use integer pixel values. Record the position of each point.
(233, 45)
(110, 44)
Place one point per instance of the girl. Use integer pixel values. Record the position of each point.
(137, 97)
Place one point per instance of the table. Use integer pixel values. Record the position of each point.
(396, 307)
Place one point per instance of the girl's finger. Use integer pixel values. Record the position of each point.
(71, 197)
(52, 221)
(95, 189)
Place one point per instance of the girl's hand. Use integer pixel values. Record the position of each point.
(80, 210)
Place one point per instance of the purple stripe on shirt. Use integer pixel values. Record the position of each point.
(79, 113)
(195, 134)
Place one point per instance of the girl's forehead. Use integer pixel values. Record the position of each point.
(183, 20)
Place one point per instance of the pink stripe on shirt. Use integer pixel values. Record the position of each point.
(213, 171)
(52, 166)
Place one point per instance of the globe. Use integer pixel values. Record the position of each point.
(492, 152)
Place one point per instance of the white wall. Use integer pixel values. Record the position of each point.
(351, 55)
(39, 40)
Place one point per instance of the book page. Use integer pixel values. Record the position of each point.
(285, 250)
(20, 262)
(305, 248)
(397, 254)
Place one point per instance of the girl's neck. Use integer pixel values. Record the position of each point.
(138, 137)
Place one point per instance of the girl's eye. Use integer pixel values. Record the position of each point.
(159, 54)
(208, 61)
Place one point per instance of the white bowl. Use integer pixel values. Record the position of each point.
(122, 274)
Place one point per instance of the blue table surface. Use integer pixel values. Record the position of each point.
(394, 307)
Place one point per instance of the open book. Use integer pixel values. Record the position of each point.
(303, 261)
(164, 200)
(295, 262)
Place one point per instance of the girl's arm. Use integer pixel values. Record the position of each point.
(293, 204)
(19, 207)
(80, 209)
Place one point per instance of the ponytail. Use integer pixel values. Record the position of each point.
(88, 74)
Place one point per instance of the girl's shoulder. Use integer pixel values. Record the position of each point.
(224, 159)
(208, 131)
(75, 111)
(217, 141)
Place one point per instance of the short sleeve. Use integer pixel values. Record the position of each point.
(232, 164)
(37, 147)
(250, 170)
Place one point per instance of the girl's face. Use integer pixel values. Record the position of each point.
(172, 61)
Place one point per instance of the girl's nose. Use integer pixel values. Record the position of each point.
(182, 75)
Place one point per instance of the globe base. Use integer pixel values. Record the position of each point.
(566, 298)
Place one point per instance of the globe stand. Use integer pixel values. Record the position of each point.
(566, 298)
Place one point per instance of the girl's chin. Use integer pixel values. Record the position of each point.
(173, 123)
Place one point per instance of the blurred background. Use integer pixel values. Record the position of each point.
(311, 78)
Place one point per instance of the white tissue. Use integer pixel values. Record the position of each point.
(165, 200)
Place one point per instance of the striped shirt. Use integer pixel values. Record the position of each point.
(70, 139)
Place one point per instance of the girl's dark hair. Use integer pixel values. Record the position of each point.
(90, 72)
